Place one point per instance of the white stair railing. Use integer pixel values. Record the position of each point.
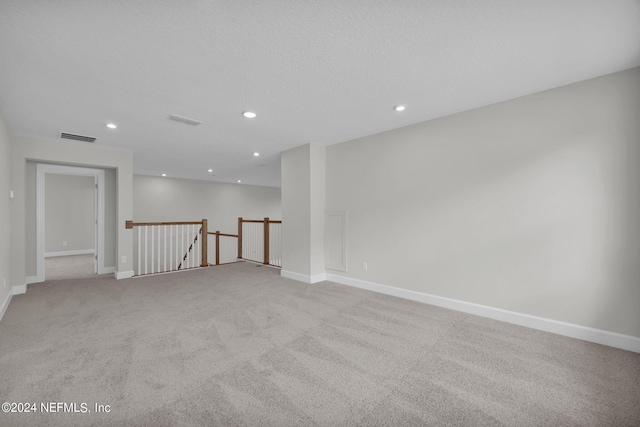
(275, 243)
(191, 257)
(160, 247)
(253, 240)
(260, 241)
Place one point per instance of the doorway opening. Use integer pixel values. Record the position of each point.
(70, 222)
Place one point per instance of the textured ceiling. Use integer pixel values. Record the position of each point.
(314, 71)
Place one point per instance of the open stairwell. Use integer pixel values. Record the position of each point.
(161, 247)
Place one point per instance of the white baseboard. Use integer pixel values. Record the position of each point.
(598, 336)
(123, 274)
(15, 290)
(108, 270)
(318, 278)
(19, 289)
(5, 305)
(31, 279)
(68, 253)
(302, 277)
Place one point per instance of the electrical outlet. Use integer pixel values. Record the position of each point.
(364, 266)
(64, 243)
(124, 259)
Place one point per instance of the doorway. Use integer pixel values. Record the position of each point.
(82, 252)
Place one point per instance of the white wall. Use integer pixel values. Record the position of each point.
(111, 226)
(172, 199)
(120, 163)
(30, 217)
(296, 214)
(69, 213)
(317, 195)
(6, 278)
(530, 205)
(303, 206)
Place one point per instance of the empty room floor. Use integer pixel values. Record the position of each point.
(240, 345)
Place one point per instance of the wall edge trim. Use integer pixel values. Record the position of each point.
(303, 277)
(5, 305)
(19, 289)
(598, 336)
(68, 253)
(123, 274)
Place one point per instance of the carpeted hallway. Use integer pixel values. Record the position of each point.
(71, 266)
(239, 345)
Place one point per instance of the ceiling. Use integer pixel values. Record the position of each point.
(314, 71)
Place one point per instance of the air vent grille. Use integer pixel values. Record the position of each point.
(65, 135)
(184, 120)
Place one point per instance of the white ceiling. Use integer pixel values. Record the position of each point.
(314, 71)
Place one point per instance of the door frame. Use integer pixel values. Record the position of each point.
(98, 174)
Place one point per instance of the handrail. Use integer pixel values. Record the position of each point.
(223, 234)
(131, 224)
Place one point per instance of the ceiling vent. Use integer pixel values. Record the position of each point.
(75, 137)
(185, 120)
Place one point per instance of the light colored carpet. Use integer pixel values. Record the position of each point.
(65, 267)
(237, 345)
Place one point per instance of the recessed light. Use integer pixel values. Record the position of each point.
(111, 125)
(239, 181)
(164, 174)
(249, 114)
(256, 154)
(400, 107)
(210, 170)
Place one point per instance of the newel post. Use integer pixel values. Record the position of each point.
(266, 241)
(218, 247)
(240, 237)
(205, 238)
